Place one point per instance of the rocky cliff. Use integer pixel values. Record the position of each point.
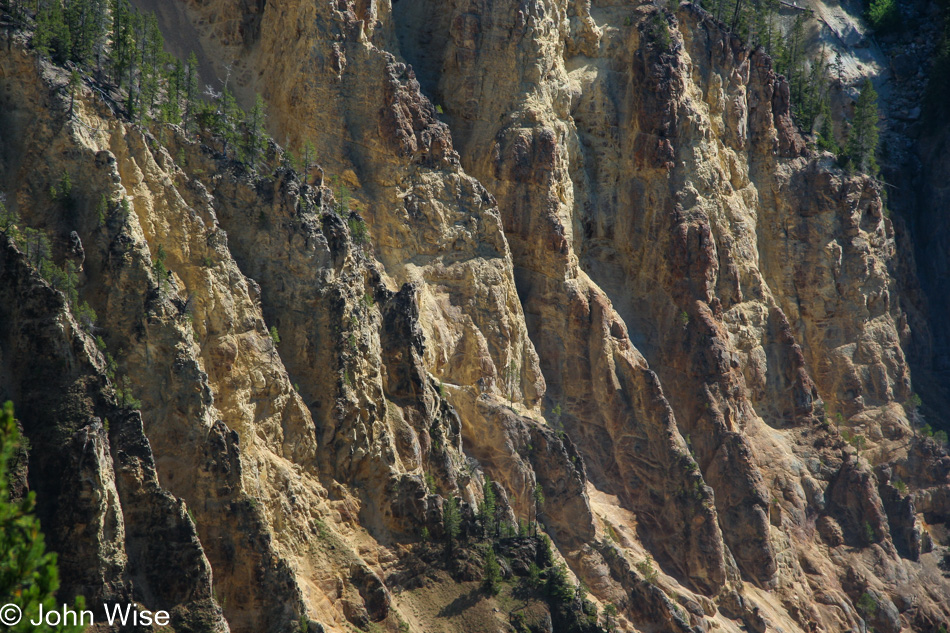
(584, 254)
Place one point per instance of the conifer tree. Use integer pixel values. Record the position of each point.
(75, 81)
(28, 573)
(487, 509)
(123, 41)
(863, 137)
(153, 61)
(255, 142)
(826, 131)
(451, 520)
(51, 37)
(491, 575)
(191, 89)
(86, 21)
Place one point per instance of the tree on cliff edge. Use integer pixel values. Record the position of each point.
(863, 138)
(28, 573)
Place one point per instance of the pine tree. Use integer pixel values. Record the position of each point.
(170, 109)
(51, 37)
(826, 130)
(28, 573)
(883, 15)
(153, 61)
(309, 156)
(124, 49)
(451, 520)
(863, 138)
(610, 616)
(86, 20)
(255, 135)
(191, 90)
(75, 82)
(491, 575)
(763, 24)
(487, 509)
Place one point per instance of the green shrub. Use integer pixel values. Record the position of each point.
(867, 605)
(123, 394)
(646, 568)
(883, 15)
(29, 576)
(660, 31)
(358, 230)
(158, 267)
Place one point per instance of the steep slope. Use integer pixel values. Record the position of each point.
(755, 279)
(605, 270)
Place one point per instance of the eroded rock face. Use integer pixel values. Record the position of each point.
(605, 272)
(120, 536)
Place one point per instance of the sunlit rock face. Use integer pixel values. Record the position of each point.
(578, 248)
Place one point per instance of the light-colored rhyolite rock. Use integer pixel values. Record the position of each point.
(609, 225)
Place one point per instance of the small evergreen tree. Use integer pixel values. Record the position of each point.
(610, 616)
(255, 143)
(883, 15)
(309, 156)
(864, 135)
(491, 576)
(557, 585)
(28, 573)
(8, 219)
(538, 495)
(826, 130)
(487, 509)
(75, 81)
(191, 90)
(451, 520)
(51, 37)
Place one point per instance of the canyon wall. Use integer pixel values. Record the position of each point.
(600, 267)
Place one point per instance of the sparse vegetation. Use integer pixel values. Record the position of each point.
(29, 576)
(35, 244)
(274, 335)
(342, 206)
(861, 149)
(867, 606)
(557, 586)
(610, 616)
(486, 511)
(883, 15)
(660, 31)
(538, 496)
(491, 576)
(159, 269)
(358, 230)
(123, 394)
(451, 520)
(854, 439)
(647, 570)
